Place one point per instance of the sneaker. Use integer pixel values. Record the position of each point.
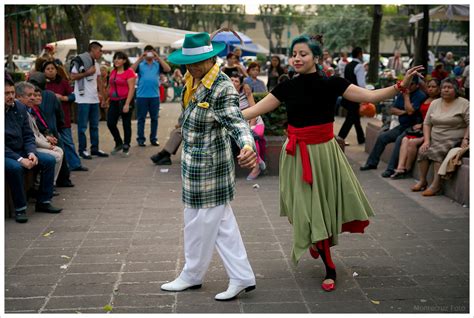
(99, 153)
(21, 217)
(141, 144)
(116, 149)
(155, 143)
(85, 155)
(126, 149)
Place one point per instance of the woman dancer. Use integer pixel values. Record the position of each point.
(319, 192)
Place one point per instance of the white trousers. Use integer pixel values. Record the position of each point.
(205, 229)
(58, 154)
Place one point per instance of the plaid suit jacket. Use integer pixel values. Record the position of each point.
(207, 165)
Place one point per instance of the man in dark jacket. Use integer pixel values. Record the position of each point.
(354, 72)
(20, 154)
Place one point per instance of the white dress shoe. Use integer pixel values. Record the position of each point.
(232, 292)
(178, 285)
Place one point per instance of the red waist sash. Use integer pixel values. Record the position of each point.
(310, 135)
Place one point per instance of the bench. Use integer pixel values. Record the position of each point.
(456, 188)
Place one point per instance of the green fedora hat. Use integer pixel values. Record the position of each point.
(196, 48)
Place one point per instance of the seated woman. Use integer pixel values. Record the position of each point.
(45, 142)
(446, 125)
(414, 137)
(257, 125)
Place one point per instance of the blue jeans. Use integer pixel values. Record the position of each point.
(88, 113)
(144, 106)
(69, 148)
(382, 141)
(14, 175)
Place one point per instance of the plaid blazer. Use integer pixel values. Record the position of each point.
(207, 165)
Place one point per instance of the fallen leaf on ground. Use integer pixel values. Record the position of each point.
(65, 256)
(107, 308)
(375, 302)
(48, 234)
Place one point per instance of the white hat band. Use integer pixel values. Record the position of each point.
(197, 50)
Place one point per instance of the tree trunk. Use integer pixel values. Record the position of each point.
(373, 76)
(120, 25)
(79, 26)
(421, 47)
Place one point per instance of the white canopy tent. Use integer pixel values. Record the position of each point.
(64, 46)
(156, 35)
(445, 12)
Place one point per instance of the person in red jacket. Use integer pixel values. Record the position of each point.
(64, 92)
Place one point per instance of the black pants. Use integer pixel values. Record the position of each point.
(113, 115)
(352, 118)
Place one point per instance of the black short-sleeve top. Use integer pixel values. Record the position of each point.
(310, 99)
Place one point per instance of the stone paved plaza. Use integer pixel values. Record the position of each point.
(119, 238)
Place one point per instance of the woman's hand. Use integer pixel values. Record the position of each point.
(417, 126)
(465, 143)
(414, 71)
(424, 146)
(125, 108)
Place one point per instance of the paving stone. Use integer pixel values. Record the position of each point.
(156, 310)
(284, 308)
(24, 304)
(143, 300)
(31, 280)
(85, 289)
(228, 308)
(27, 291)
(80, 279)
(360, 306)
(94, 268)
(149, 277)
(78, 302)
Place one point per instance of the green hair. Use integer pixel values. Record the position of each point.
(313, 42)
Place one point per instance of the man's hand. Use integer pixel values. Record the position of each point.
(90, 71)
(26, 163)
(247, 158)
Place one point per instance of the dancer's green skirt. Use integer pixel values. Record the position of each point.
(333, 204)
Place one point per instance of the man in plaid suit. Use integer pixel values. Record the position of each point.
(210, 114)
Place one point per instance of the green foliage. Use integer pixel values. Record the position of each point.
(343, 26)
(104, 26)
(275, 121)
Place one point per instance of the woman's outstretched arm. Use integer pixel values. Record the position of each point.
(267, 104)
(358, 94)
